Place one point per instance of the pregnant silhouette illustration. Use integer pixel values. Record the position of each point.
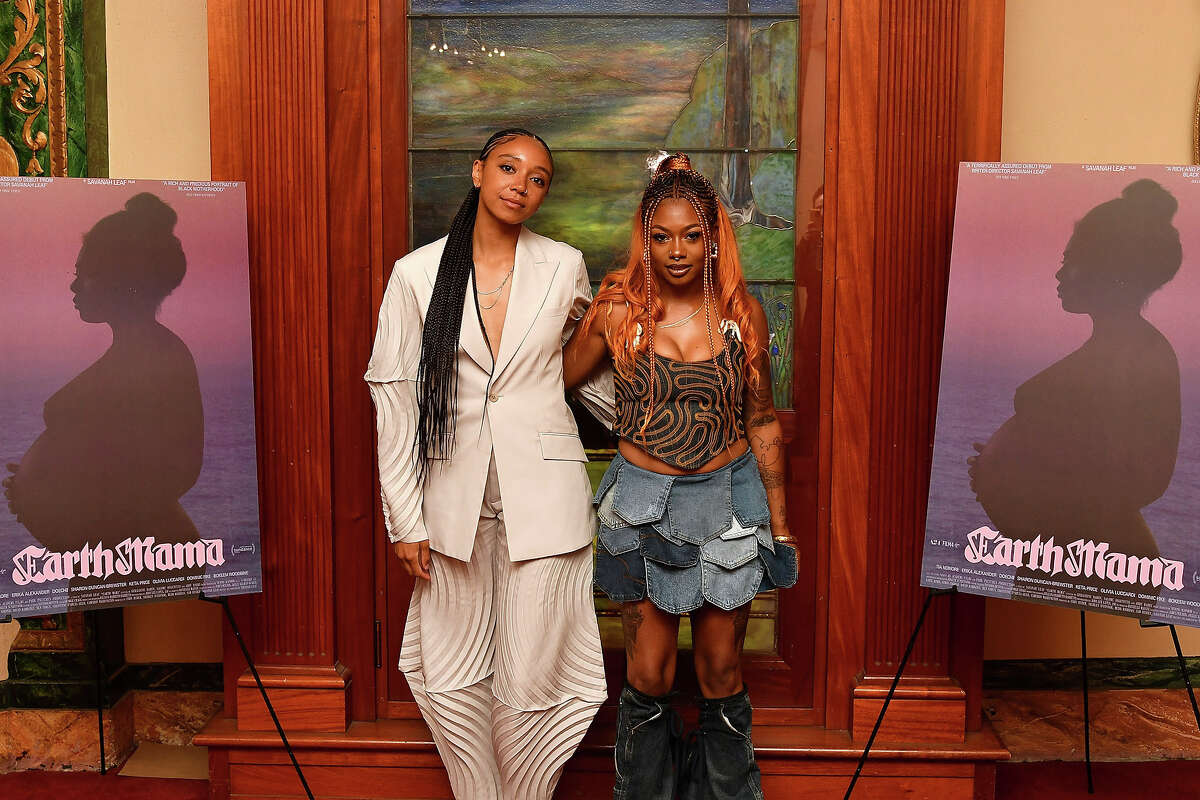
(1094, 436)
(124, 439)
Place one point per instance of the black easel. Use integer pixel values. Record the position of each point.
(99, 662)
(912, 641)
(224, 603)
(1087, 719)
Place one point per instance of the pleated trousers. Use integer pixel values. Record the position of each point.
(503, 659)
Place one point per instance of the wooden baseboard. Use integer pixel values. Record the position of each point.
(923, 709)
(304, 699)
(395, 759)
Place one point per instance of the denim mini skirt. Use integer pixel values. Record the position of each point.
(683, 540)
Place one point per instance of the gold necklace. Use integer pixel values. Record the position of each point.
(682, 321)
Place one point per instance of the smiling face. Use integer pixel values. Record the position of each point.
(513, 180)
(676, 243)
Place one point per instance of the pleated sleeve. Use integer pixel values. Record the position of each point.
(392, 378)
(596, 393)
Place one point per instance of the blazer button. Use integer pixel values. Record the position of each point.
(493, 397)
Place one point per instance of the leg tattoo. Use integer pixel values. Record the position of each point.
(631, 621)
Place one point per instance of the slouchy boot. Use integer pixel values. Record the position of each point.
(648, 747)
(720, 762)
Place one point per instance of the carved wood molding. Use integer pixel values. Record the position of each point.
(290, 113)
(267, 77)
(23, 75)
(916, 89)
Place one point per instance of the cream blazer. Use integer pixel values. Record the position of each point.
(514, 409)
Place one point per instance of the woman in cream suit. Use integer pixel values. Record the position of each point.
(484, 489)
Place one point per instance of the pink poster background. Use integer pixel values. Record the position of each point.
(1005, 324)
(44, 343)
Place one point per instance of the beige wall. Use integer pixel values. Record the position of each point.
(1094, 81)
(158, 89)
(158, 128)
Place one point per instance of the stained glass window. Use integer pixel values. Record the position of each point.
(738, 84)
(606, 82)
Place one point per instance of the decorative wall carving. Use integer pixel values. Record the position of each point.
(22, 75)
(42, 86)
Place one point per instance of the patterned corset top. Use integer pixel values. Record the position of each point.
(690, 422)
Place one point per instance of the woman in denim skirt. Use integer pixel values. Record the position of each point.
(692, 517)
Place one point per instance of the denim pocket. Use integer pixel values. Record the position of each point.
(618, 541)
(623, 577)
(731, 588)
(700, 509)
(640, 496)
(749, 496)
(607, 480)
(676, 590)
(780, 565)
(730, 553)
(608, 517)
(656, 548)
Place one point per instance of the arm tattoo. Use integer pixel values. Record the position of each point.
(761, 420)
(769, 454)
(772, 479)
(631, 620)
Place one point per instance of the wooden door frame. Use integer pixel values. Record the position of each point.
(294, 116)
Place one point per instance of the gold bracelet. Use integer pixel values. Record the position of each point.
(785, 539)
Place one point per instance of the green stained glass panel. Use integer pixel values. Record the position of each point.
(778, 302)
(773, 86)
(588, 83)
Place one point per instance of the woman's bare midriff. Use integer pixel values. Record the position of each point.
(640, 458)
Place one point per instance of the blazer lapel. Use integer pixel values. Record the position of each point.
(470, 336)
(531, 285)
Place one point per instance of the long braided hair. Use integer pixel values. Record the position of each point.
(725, 294)
(437, 375)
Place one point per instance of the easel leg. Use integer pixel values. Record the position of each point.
(912, 642)
(99, 688)
(1187, 680)
(1087, 719)
(224, 603)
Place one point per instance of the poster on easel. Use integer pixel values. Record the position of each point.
(1066, 460)
(126, 394)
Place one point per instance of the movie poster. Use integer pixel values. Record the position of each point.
(126, 396)
(1066, 463)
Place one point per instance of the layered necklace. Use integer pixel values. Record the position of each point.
(495, 291)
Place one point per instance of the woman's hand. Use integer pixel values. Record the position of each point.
(415, 557)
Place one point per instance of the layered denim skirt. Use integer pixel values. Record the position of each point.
(683, 540)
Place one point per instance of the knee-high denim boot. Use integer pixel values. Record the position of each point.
(647, 752)
(721, 763)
